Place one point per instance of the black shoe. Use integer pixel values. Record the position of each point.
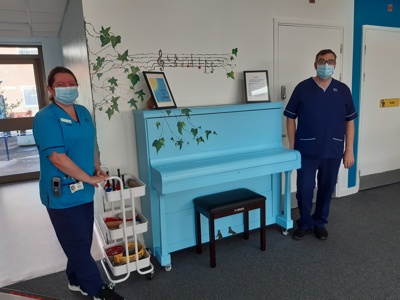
(321, 233)
(299, 234)
(107, 293)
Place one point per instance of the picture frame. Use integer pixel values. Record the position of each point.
(257, 86)
(159, 89)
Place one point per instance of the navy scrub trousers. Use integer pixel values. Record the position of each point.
(74, 230)
(327, 169)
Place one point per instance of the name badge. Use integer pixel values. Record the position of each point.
(76, 187)
(66, 121)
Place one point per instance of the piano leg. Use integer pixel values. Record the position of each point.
(285, 220)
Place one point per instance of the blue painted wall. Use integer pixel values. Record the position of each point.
(368, 12)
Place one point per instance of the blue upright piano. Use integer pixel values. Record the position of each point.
(195, 151)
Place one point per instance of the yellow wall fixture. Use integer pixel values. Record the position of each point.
(391, 102)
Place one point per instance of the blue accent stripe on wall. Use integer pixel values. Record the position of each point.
(367, 12)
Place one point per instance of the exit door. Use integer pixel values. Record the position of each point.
(379, 161)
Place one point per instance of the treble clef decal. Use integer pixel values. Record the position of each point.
(160, 61)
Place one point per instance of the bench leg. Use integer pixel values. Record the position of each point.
(246, 224)
(213, 262)
(198, 233)
(262, 228)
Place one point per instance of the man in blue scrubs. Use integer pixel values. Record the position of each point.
(325, 115)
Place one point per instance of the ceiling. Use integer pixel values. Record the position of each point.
(31, 18)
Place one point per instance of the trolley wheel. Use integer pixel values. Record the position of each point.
(150, 275)
(168, 267)
(285, 232)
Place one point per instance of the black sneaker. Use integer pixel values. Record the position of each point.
(76, 288)
(299, 234)
(107, 293)
(321, 233)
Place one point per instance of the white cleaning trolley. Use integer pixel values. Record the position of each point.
(123, 234)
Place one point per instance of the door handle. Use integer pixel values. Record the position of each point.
(283, 92)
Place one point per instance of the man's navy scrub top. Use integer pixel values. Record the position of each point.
(321, 117)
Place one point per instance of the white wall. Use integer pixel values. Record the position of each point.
(208, 26)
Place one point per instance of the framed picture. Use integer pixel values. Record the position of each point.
(256, 86)
(159, 89)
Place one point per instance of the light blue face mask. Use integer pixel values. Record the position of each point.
(325, 71)
(66, 95)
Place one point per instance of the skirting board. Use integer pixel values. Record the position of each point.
(380, 179)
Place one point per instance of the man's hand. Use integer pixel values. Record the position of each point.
(348, 159)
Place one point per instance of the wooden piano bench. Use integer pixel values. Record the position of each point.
(225, 204)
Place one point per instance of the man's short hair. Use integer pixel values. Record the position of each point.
(323, 52)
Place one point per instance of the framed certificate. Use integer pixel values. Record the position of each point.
(159, 89)
(256, 86)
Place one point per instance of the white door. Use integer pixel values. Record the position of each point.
(295, 48)
(379, 135)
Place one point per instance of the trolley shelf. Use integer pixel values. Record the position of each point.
(142, 263)
(118, 233)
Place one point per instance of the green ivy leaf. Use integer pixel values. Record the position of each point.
(105, 31)
(235, 51)
(104, 40)
(115, 40)
(123, 57)
(186, 112)
(133, 102)
(180, 126)
(99, 75)
(140, 95)
(200, 140)
(114, 101)
(208, 132)
(158, 125)
(179, 143)
(110, 113)
(99, 63)
(158, 144)
(134, 78)
(194, 131)
(231, 74)
(168, 111)
(113, 81)
(112, 89)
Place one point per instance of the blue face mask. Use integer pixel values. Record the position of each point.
(325, 71)
(66, 95)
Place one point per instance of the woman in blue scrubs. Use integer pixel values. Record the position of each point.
(69, 171)
(325, 115)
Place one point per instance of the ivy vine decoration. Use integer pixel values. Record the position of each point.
(115, 76)
(177, 137)
(112, 73)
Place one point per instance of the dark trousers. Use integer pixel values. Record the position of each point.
(326, 170)
(74, 230)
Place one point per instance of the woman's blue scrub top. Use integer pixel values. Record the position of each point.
(55, 130)
(321, 117)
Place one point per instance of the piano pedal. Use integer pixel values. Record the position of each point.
(231, 231)
(219, 235)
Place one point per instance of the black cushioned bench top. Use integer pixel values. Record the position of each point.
(227, 200)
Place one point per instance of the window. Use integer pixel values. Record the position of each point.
(30, 96)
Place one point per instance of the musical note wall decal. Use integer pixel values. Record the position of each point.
(106, 60)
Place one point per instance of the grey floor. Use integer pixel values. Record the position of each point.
(360, 260)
